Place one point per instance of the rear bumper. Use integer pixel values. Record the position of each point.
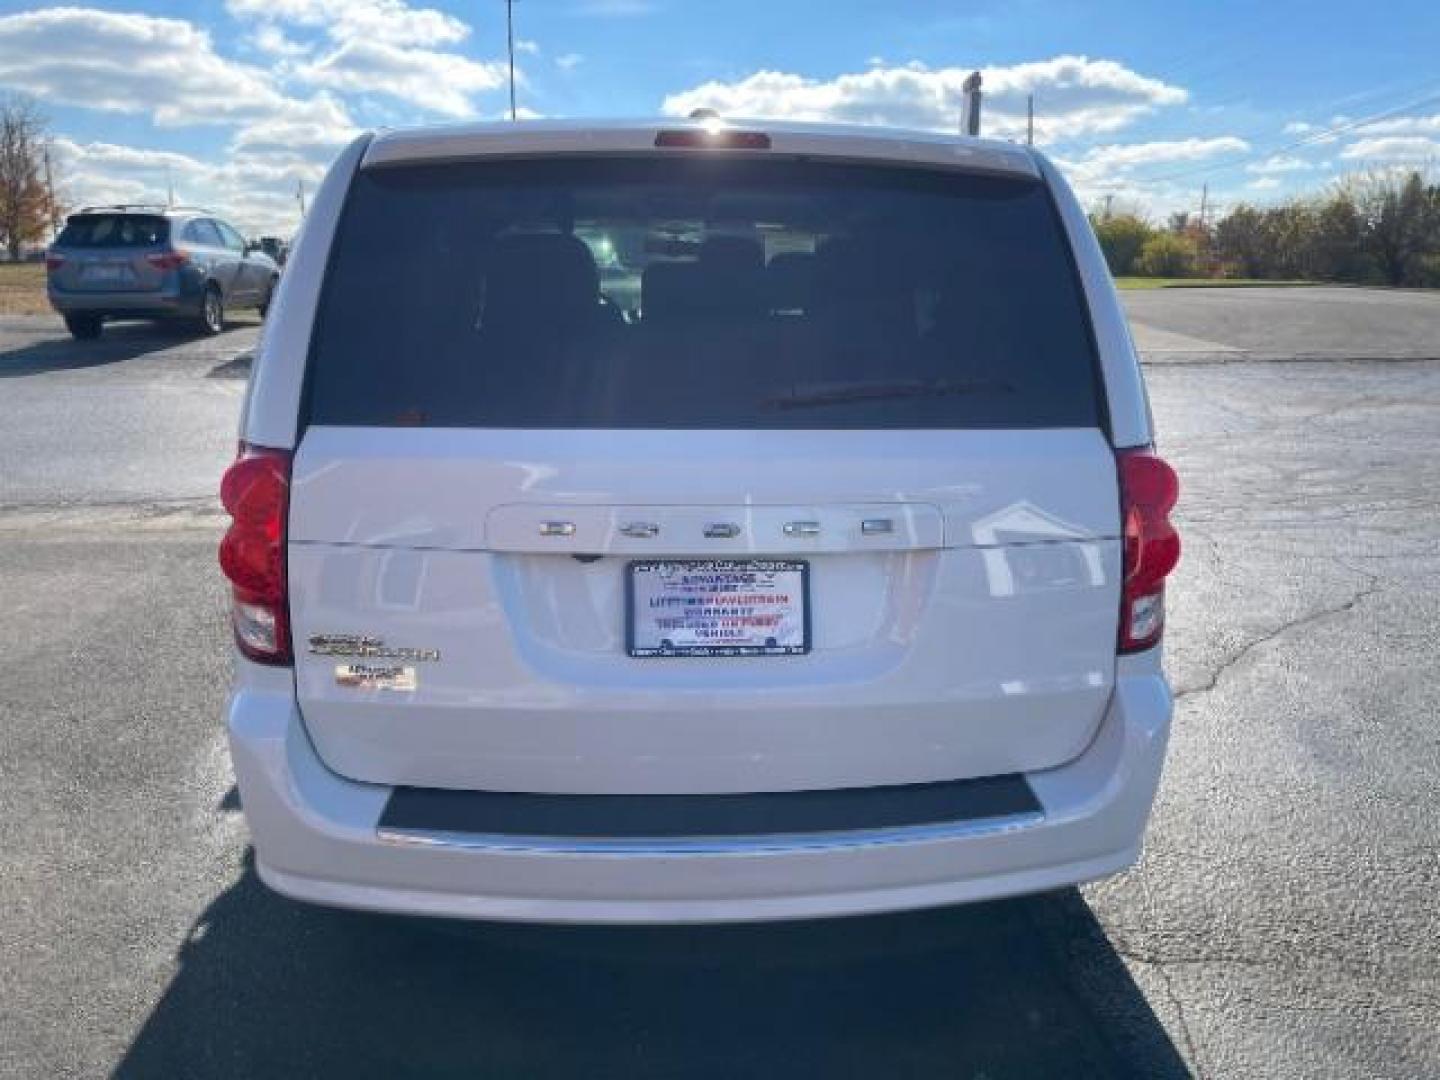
(136, 304)
(317, 838)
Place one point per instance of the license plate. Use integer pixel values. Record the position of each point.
(104, 272)
(718, 607)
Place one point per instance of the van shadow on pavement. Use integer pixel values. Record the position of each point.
(1021, 988)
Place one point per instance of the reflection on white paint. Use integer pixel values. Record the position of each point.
(1024, 523)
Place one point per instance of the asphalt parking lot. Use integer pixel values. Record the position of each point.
(1283, 921)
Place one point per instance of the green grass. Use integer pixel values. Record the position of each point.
(1196, 283)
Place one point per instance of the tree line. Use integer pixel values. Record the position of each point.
(1376, 228)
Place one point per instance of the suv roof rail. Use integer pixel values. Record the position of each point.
(140, 206)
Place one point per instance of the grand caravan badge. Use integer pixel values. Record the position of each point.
(375, 677)
(367, 647)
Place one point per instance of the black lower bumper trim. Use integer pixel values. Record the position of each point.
(496, 813)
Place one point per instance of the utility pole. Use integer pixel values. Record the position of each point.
(169, 187)
(1029, 119)
(300, 195)
(510, 44)
(1108, 200)
(50, 195)
(1204, 238)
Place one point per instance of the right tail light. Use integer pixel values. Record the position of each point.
(1149, 489)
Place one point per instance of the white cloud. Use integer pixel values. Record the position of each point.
(315, 130)
(439, 81)
(131, 64)
(569, 61)
(256, 190)
(271, 40)
(1074, 96)
(1111, 171)
(1263, 183)
(1111, 160)
(523, 45)
(1280, 163)
(382, 48)
(167, 69)
(1415, 149)
(114, 158)
(389, 21)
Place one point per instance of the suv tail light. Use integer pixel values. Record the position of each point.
(53, 262)
(1148, 491)
(256, 492)
(167, 260)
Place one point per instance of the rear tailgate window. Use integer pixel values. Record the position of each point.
(699, 293)
(115, 231)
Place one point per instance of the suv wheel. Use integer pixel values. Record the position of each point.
(84, 327)
(212, 310)
(269, 295)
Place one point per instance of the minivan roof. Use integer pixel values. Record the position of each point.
(837, 141)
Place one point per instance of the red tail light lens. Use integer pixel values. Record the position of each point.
(1149, 489)
(256, 492)
(168, 260)
(53, 262)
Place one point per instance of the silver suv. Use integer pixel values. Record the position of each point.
(147, 262)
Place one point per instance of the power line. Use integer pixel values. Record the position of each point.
(1306, 140)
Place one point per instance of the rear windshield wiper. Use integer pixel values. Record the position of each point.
(845, 393)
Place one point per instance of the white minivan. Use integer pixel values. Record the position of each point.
(689, 521)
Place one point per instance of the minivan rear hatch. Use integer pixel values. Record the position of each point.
(700, 473)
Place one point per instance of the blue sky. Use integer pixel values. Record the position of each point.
(237, 102)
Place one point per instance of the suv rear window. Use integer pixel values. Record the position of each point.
(710, 293)
(115, 231)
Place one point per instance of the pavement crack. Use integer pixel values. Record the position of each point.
(1371, 588)
(1158, 959)
(1158, 964)
(1182, 1021)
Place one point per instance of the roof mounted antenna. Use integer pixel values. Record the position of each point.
(970, 110)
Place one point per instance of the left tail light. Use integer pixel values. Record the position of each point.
(1149, 489)
(255, 491)
(53, 262)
